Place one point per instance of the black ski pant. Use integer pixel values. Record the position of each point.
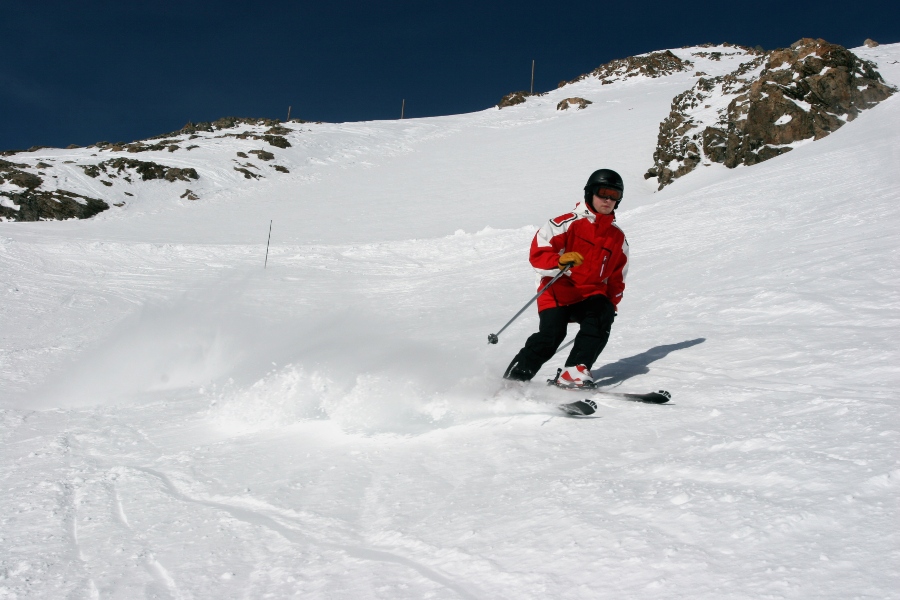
(594, 314)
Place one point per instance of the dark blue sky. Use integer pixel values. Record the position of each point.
(81, 72)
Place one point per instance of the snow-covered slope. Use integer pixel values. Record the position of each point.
(178, 422)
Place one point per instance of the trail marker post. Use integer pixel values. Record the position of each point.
(532, 77)
(265, 264)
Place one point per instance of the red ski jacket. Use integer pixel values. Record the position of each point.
(604, 248)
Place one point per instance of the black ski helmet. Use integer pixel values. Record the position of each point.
(603, 178)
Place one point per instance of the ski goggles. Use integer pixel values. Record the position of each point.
(605, 192)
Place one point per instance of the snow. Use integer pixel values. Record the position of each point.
(802, 104)
(783, 120)
(7, 202)
(179, 422)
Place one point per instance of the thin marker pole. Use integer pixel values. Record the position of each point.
(402, 108)
(532, 76)
(267, 245)
(289, 113)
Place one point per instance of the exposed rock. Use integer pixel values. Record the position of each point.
(870, 43)
(247, 174)
(710, 55)
(190, 195)
(8, 170)
(174, 174)
(91, 170)
(147, 170)
(787, 95)
(512, 99)
(276, 140)
(135, 147)
(579, 102)
(657, 64)
(218, 124)
(280, 169)
(39, 205)
(23, 179)
(743, 49)
(243, 155)
(262, 154)
(274, 135)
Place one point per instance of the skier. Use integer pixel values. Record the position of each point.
(589, 240)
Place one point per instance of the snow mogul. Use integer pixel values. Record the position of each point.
(590, 251)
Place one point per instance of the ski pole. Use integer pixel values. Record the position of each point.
(493, 338)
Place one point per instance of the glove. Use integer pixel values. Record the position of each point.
(570, 257)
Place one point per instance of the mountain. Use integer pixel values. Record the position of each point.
(185, 413)
(744, 107)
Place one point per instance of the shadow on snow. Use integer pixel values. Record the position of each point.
(639, 364)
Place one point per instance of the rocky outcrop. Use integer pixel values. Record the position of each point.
(512, 99)
(247, 173)
(274, 135)
(657, 64)
(770, 102)
(33, 204)
(28, 193)
(276, 140)
(576, 102)
(262, 154)
(123, 167)
(223, 123)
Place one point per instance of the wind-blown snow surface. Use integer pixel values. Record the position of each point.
(178, 422)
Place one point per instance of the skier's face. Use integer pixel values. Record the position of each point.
(603, 205)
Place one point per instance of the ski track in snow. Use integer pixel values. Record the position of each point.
(177, 422)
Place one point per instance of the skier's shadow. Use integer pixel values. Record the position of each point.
(639, 364)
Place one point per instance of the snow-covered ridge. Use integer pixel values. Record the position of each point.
(650, 65)
(204, 160)
(246, 157)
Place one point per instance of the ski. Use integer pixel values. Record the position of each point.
(660, 397)
(579, 408)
